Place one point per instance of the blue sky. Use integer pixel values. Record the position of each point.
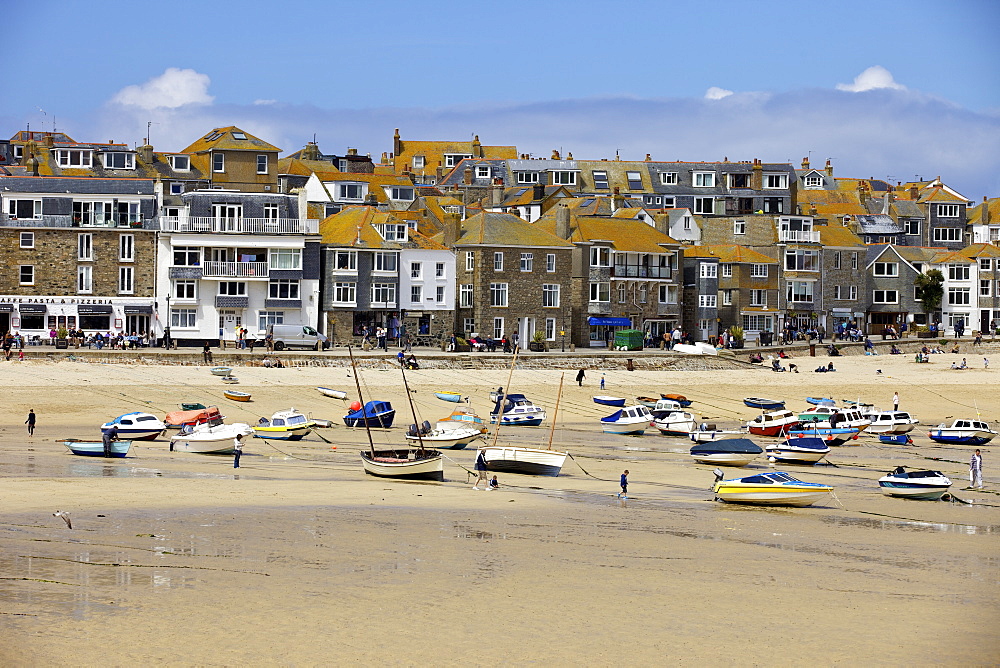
(890, 89)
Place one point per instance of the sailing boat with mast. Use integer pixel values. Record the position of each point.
(517, 459)
(417, 463)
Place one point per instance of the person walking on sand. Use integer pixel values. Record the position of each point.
(31, 422)
(895, 401)
(237, 450)
(580, 375)
(624, 484)
(976, 470)
(602, 381)
(480, 469)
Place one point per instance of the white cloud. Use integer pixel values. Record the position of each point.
(172, 89)
(716, 93)
(873, 78)
(264, 102)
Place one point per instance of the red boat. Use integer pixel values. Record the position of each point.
(178, 419)
(775, 423)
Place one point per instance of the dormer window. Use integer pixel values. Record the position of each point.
(452, 159)
(564, 178)
(400, 194)
(392, 231)
(350, 191)
(703, 179)
(419, 162)
(813, 182)
(74, 157)
(119, 160)
(668, 178)
(526, 177)
(947, 210)
(776, 181)
(482, 171)
(179, 163)
(739, 180)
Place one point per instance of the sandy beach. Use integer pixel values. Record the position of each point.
(299, 558)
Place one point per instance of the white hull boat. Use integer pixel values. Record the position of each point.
(333, 394)
(678, 423)
(894, 423)
(631, 421)
(963, 432)
(924, 485)
(531, 461)
(709, 435)
(407, 463)
(517, 410)
(449, 436)
(802, 450)
(769, 489)
(136, 426)
(209, 439)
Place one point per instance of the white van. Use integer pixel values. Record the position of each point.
(295, 336)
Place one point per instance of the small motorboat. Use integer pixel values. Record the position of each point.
(837, 417)
(798, 450)
(209, 438)
(179, 419)
(453, 397)
(925, 485)
(616, 402)
(895, 439)
(727, 452)
(447, 434)
(891, 423)
(333, 394)
(192, 406)
(530, 461)
(817, 412)
(374, 414)
(517, 410)
(236, 396)
(699, 348)
(820, 401)
(664, 407)
(677, 423)
(706, 435)
(774, 423)
(322, 424)
(290, 425)
(769, 489)
(679, 398)
(405, 463)
(232, 380)
(963, 432)
(221, 370)
(136, 426)
(648, 402)
(764, 404)
(96, 448)
(822, 430)
(631, 421)
(466, 417)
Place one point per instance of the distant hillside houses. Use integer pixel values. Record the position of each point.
(437, 238)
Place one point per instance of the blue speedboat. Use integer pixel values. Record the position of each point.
(374, 414)
(963, 432)
(617, 402)
(516, 409)
(818, 401)
(136, 426)
(631, 421)
(799, 450)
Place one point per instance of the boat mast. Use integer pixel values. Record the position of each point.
(413, 412)
(555, 411)
(503, 404)
(364, 417)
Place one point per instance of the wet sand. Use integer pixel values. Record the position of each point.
(298, 558)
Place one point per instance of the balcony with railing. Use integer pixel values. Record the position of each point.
(640, 271)
(798, 236)
(49, 220)
(213, 269)
(238, 225)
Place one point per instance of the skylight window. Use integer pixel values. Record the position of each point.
(239, 135)
(213, 136)
(600, 180)
(634, 180)
(521, 192)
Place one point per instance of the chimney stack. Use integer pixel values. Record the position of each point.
(555, 155)
(477, 148)
(829, 168)
(662, 221)
(757, 175)
(146, 153)
(914, 192)
(617, 200)
(396, 148)
(311, 151)
(985, 218)
(452, 229)
(562, 221)
(805, 163)
(467, 175)
(496, 192)
(538, 192)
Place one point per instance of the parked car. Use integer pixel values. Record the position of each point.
(296, 336)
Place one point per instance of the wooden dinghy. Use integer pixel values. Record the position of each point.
(236, 396)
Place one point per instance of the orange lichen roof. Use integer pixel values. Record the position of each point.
(433, 152)
(827, 196)
(729, 254)
(503, 229)
(952, 257)
(302, 167)
(939, 194)
(975, 214)
(625, 235)
(846, 208)
(225, 138)
(832, 235)
(627, 212)
(354, 227)
(980, 250)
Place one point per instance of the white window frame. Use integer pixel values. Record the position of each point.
(129, 159)
(759, 271)
(911, 227)
(550, 329)
(958, 272)
(419, 162)
(985, 264)
(853, 293)
(703, 179)
(813, 181)
(416, 270)
(345, 292)
(341, 257)
(498, 295)
(401, 193)
(465, 295)
(75, 158)
(758, 298)
(265, 318)
(704, 205)
(727, 297)
(383, 293)
(185, 290)
(600, 292)
(526, 177)
(345, 192)
(85, 247)
(668, 178)
(175, 160)
(633, 177)
(26, 270)
(854, 260)
(452, 159)
(483, 171)
(218, 162)
(439, 294)
(775, 181)
(727, 270)
(739, 227)
(886, 269)
(600, 256)
(563, 177)
(262, 159)
(806, 296)
(708, 301)
(622, 293)
(498, 330)
(279, 257)
(959, 296)
(948, 210)
(36, 208)
(708, 270)
(231, 288)
(470, 260)
(183, 318)
(527, 262)
(126, 248)
(985, 287)
(947, 234)
(84, 279)
(27, 240)
(416, 294)
(126, 280)
(290, 286)
(550, 295)
(497, 261)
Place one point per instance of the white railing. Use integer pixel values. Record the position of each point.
(239, 225)
(798, 236)
(235, 269)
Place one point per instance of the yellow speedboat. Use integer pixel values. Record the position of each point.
(769, 489)
(290, 425)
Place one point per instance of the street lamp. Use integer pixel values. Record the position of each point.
(166, 327)
(562, 333)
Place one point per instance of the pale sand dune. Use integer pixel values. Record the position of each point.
(301, 559)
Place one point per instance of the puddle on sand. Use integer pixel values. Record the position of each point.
(912, 525)
(468, 533)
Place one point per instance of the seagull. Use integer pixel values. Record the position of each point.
(65, 518)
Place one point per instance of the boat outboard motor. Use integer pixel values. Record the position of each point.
(719, 475)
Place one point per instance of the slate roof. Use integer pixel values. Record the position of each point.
(632, 236)
(75, 185)
(225, 139)
(729, 254)
(879, 224)
(503, 229)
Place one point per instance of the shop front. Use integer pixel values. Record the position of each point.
(36, 317)
(602, 329)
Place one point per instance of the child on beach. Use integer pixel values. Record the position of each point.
(494, 484)
(624, 485)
